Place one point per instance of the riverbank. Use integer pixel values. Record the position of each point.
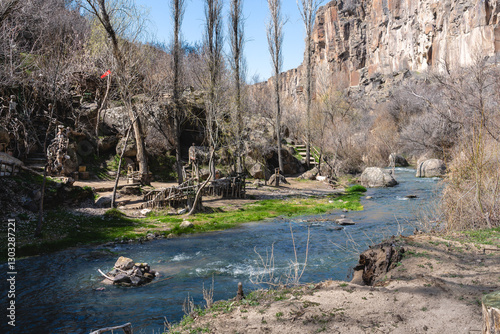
(88, 224)
(436, 288)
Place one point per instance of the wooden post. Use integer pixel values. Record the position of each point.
(277, 176)
(491, 313)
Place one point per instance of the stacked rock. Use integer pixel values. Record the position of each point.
(128, 273)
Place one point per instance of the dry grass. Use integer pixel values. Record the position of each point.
(471, 196)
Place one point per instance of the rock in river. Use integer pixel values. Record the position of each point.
(431, 168)
(345, 221)
(377, 177)
(128, 273)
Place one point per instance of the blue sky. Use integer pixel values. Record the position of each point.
(256, 14)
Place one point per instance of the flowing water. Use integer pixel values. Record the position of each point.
(59, 293)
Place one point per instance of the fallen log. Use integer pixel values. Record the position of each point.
(127, 329)
(106, 276)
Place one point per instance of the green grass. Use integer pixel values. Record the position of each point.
(62, 229)
(261, 210)
(484, 236)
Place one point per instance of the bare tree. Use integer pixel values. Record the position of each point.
(211, 83)
(177, 7)
(124, 74)
(275, 42)
(236, 34)
(6, 8)
(308, 9)
(213, 54)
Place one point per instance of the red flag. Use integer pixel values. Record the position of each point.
(108, 72)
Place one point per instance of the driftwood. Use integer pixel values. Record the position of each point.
(127, 329)
(491, 313)
(106, 276)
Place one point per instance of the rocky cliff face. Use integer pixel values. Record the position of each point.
(367, 39)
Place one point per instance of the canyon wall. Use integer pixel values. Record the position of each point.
(366, 40)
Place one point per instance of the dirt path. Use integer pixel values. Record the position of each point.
(437, 288)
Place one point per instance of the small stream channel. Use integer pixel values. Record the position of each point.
(57, 293)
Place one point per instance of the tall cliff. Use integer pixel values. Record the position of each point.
(364, 39)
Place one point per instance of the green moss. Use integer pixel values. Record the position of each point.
(261, 210)
(356, 188)
(115, 213)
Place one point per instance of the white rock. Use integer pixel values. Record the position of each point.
(186, 224)
(145, 212)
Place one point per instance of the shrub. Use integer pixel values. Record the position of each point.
(356, 188)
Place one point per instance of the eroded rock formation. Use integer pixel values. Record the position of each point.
(371, 41)
(376, 262)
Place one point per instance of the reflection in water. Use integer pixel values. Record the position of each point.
(57, 293)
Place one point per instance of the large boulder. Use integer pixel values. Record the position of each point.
(396, 160)
(310, 174)
(291, 165)
(130, 150)
(9, 159)
(107, 143)
(377, 177)
(431, 168)
(103, 202)
(256, 169)
(115, 120)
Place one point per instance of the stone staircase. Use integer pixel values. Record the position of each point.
(301, 149)
(36, 161)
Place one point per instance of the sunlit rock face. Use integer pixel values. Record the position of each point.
(364, 37)
(366, 40)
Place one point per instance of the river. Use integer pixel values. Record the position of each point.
(60, 292)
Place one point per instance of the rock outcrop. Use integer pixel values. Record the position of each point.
(431, 168)
(9, 165)
(377, 177)
(375, 42)
(130, 150)
(376, 262)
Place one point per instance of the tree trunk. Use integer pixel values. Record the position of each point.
(491, 313)
(103, 105)
(197, 199)
(127, 329)
(178, 157)
(117, 178)
(139, 141)
(177, 14)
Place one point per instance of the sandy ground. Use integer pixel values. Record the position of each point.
(436, 289)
